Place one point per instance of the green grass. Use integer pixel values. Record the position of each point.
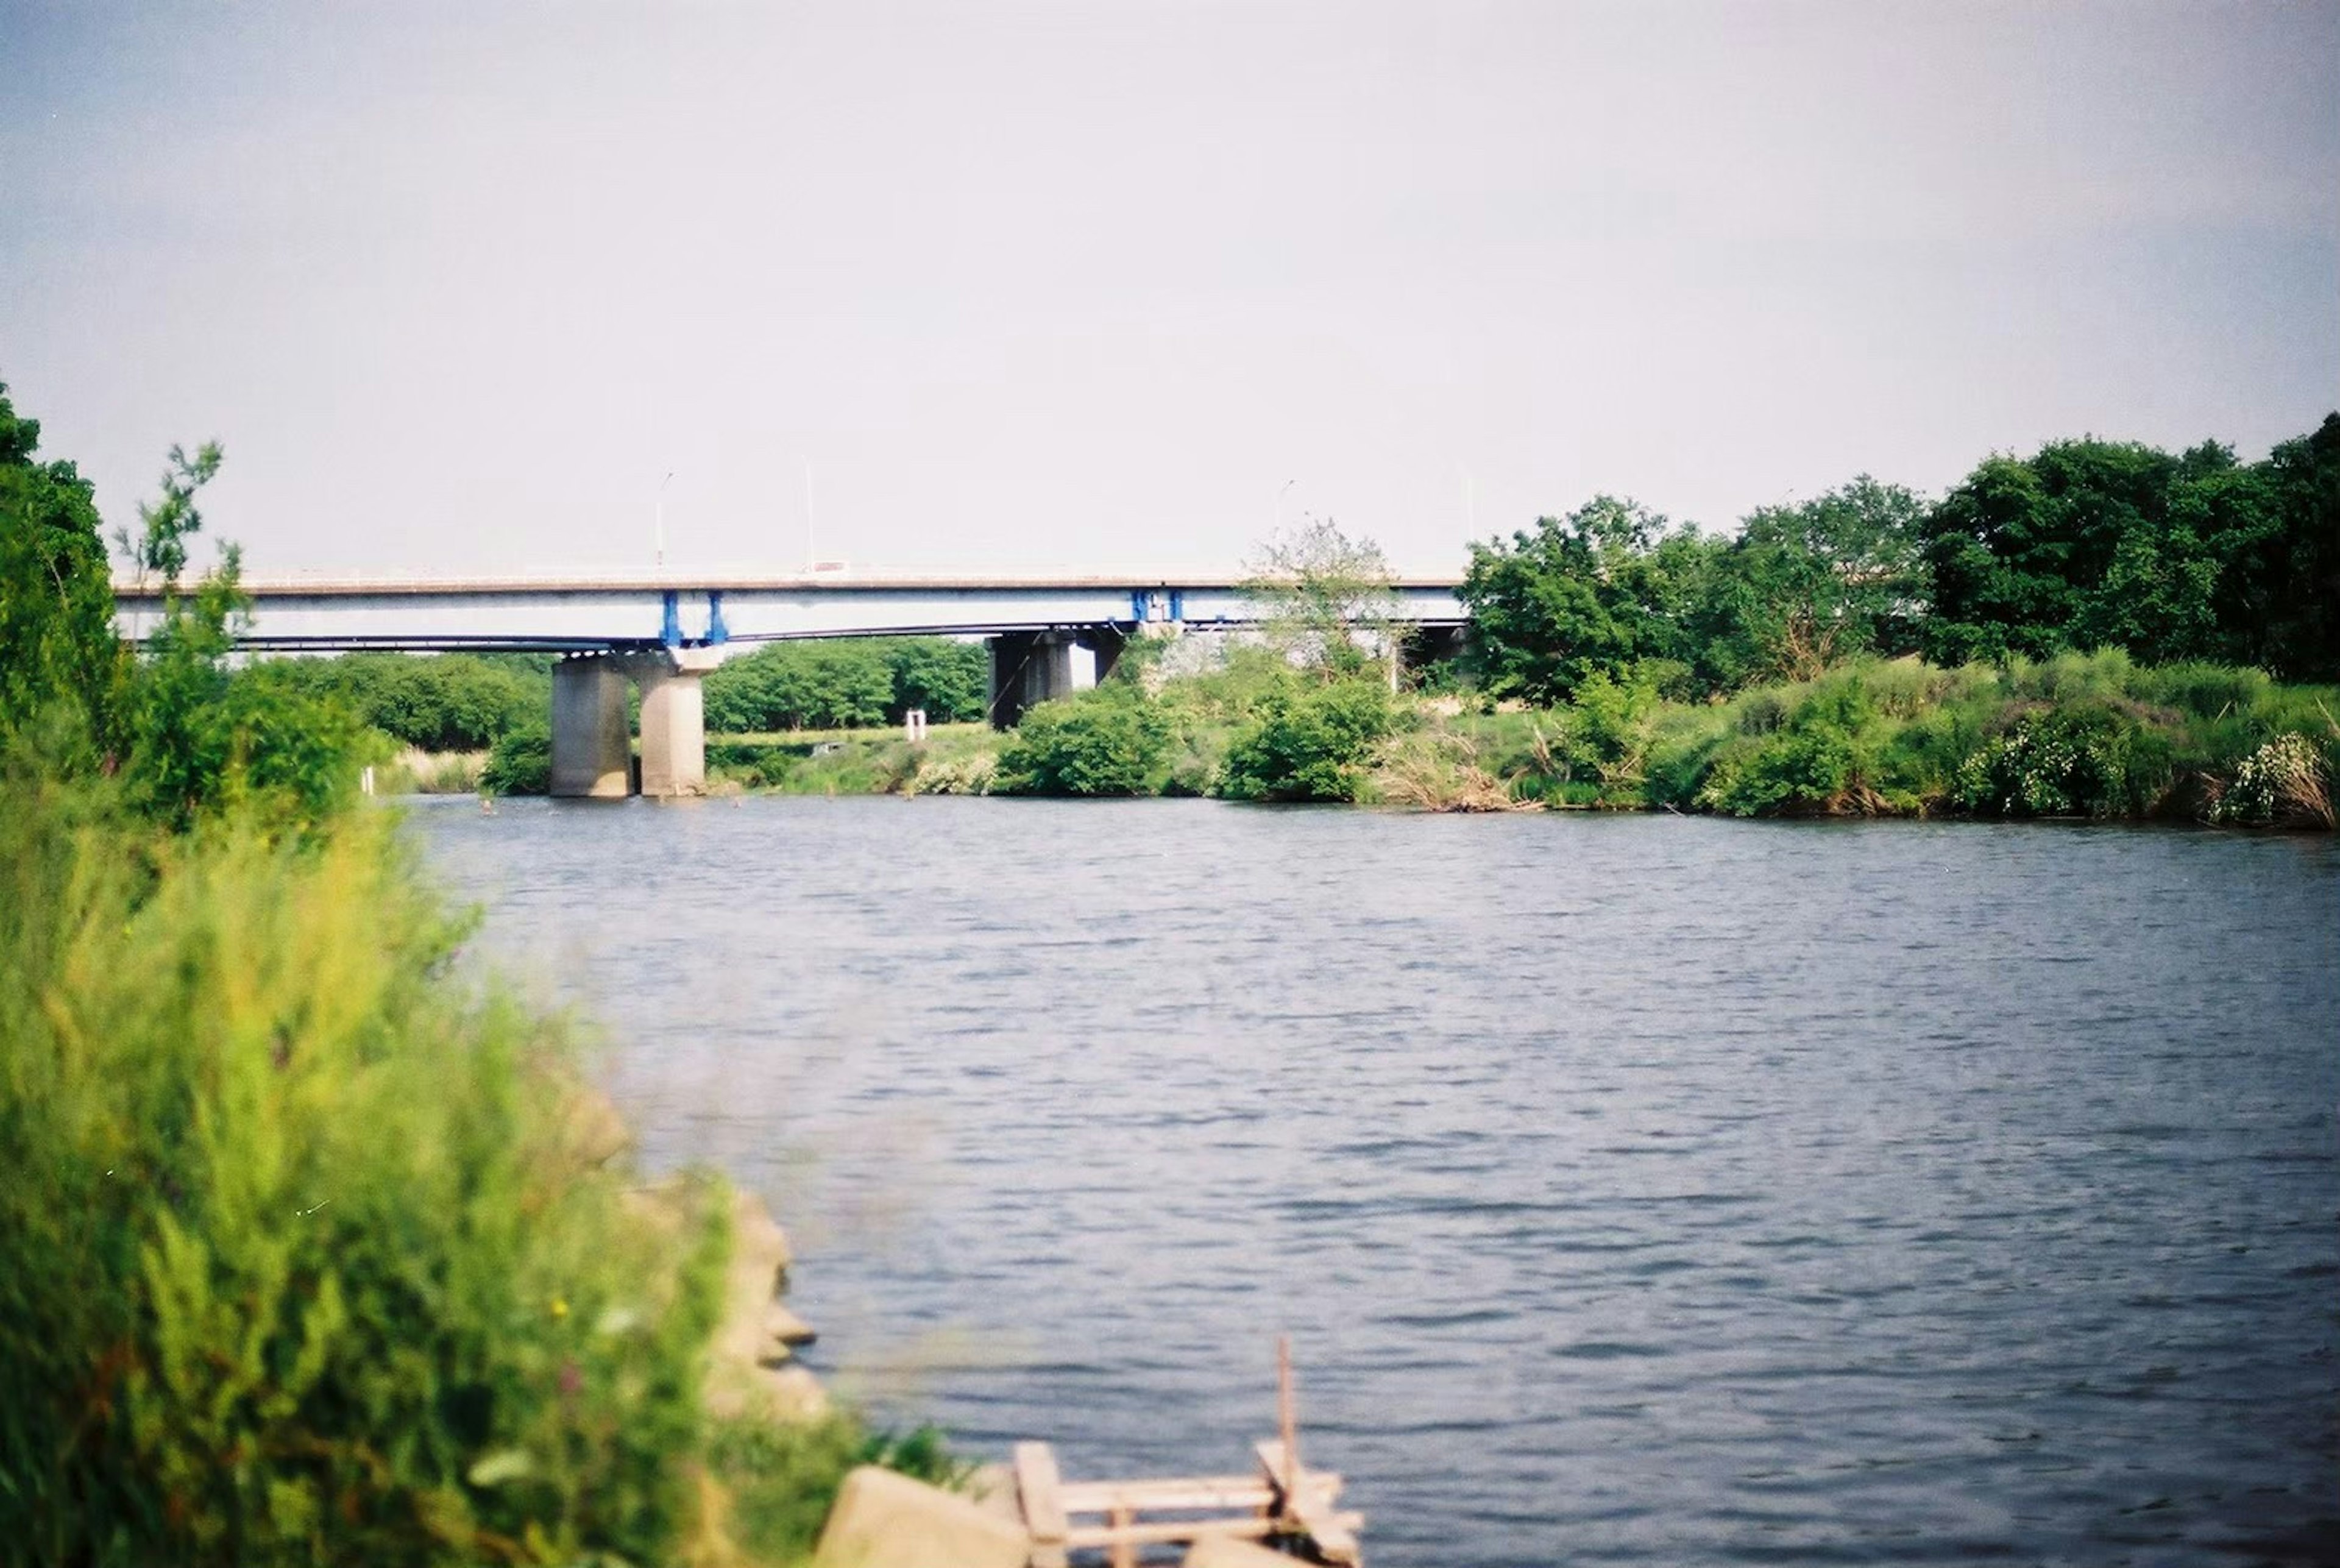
(305, 1261)
(2087, 735)
(877, 761)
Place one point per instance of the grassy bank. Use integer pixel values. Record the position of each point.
(2077, 735)
(2073, 735)
(313, 1249)
(953, 760)
(414, 771)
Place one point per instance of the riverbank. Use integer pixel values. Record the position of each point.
(2078, 736)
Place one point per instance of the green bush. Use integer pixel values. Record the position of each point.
(2283, 783)
(1611, 724)
(56, 603)
(521, 761)
(2211, 691)
(801, 685)
(2103, 676)
(202, 738)
(2091, 760)
(1682, 745)
(1308, 743)
(1107, 742)
(306, 1262)
(1822, 758)
(1810, 766)
(1923, 755)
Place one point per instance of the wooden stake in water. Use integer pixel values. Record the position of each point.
(1287, 1418)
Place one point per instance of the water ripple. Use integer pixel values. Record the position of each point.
(1644, 1191)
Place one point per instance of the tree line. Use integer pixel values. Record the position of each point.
(2085, 544)
(849, 683)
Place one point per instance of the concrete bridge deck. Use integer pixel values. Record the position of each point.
(562, 614)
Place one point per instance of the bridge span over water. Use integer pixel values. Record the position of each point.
(662, 633)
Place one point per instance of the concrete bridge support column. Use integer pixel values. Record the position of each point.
(1049, 673)
(591, 749)
(1106, 643)
(1004, 703)
(1028, 668)
(674, 720)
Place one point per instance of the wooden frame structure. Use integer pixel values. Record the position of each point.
(1282, 1501)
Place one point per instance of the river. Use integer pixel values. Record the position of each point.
(1635, 1189)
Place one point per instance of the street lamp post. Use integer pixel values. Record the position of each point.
(659, 540)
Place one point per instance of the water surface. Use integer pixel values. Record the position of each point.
(1636, 1189)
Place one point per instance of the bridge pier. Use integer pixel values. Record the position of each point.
(591, 751)
(1106, 643)
(1027, 668)
(674, 720)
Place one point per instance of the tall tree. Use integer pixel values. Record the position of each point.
(1807, 586)
(1595, 592)
(2286, 593)
(2027, 555)
(57, 642)
(1325, 597)
(2103, 544)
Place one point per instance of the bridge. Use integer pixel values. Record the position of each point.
(662, 634)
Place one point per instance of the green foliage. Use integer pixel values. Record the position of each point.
(312, 1253)
(1595, 593)
(2083, 760)
(190, 737)
(1107, 742)
(1817, 759)
(436, 702)
(202, 739)
(922, 1453)
(160, 547)
(2085, 544)
(1325, 600)
(1684, 741)
(521, 760)
(2285, 782)
(2279, 597)
(953, 759)
(305, 1263)
(56, 603)
(848, 683)
(2203, 690)
(2071, 735)
(1309, 743)
(1806, 587)
(949, 679)
(1609, 728)
(800, 685)
(783, 1479)
(2092, 544)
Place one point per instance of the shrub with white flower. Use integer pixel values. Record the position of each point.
(2281, 782)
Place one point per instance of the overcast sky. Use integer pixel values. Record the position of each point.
(1044, 285)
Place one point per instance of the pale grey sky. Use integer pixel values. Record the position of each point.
(1044, 285)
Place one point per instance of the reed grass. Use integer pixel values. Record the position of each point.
(305, 1263)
